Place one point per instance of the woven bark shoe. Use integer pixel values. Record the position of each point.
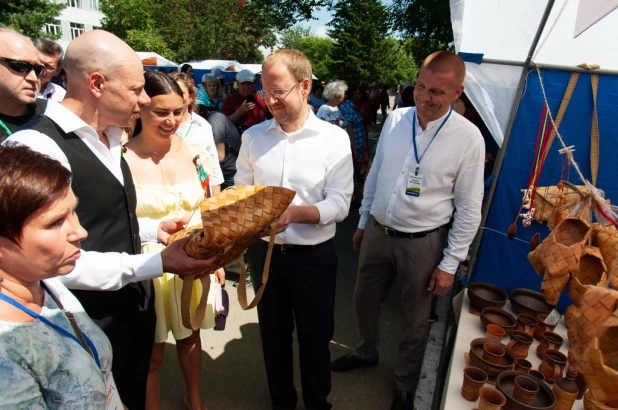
(563, 248)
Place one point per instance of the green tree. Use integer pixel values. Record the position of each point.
(292, 37)
(149, 40)
(318, 50)
(29, 16)
(398, 66)
(426, 22)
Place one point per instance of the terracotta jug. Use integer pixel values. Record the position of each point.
(552, 365)
(542, 326)
(549, 340)
(526, 323)
(566, 390)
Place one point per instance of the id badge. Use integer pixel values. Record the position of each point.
(113, 401)
(414, 185)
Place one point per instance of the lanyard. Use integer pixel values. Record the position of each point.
(93, 350)
(189, 130)
(5, 128)
(418, 160)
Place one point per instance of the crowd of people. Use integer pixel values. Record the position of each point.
(95, 178)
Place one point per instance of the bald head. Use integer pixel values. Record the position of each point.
(17, 89)
(99, 51)
(442, 62)
(105, 76)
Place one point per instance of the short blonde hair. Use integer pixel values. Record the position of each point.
(296, 62)
(211, 79)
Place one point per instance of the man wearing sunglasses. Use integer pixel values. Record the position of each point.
(243, 107)
(50, 54)
(20, 70)
(299, 151)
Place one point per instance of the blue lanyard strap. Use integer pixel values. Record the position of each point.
(93, 350)
(418, 160)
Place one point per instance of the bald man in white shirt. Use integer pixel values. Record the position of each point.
(299, 151)
(428, 169)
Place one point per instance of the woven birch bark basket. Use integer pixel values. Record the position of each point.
(231, 222)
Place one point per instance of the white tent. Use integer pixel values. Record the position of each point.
(503, 32)
(225, 65)
(160, 60)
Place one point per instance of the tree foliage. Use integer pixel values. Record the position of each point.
(29, 16)
(292, 37)
(364, 49)
(427, 23)
(317, 49)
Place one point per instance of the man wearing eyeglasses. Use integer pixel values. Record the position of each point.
(299, 151)
(50, 54)
(244, 108)
(20, 69)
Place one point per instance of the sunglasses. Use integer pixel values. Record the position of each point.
(24, 67)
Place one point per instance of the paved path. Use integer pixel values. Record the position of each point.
(233, 375)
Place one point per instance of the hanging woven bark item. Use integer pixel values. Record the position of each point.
(232, 221)
(591, 266)
(536, 259)
(564, 246)
(599, 303)
(599, 363)
(607, 241)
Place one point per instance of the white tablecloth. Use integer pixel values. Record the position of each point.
(470, 328)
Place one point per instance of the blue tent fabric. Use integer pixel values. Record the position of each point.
(503, 262)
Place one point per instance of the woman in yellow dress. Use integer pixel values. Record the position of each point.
(171, 179)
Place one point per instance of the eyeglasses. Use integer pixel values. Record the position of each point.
(24, 67)
(279, 94)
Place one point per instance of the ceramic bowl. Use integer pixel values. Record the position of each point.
(498, 317)
(544, 400)
(493, 370)
(484, 295)
(528, 301)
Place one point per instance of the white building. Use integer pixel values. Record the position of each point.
(77, 17)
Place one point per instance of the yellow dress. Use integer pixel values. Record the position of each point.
(162, 202)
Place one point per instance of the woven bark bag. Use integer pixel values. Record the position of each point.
(591, 404)
(598, 304)
(536, 259)
(548, 197)
(563, 248)
(231, 222)
(601, 378)
(607, 241)
(591, 266)
(552, 287)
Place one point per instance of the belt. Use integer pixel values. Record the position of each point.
(287, 248)
(398, 234)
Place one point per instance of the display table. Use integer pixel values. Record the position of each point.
(469, 328)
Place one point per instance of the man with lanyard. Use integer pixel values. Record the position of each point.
(50, 54)
(244, 108)
(298, 151)
(111, 279)
(20, 72)
(428, 169)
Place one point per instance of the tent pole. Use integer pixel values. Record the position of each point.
(571, 69)
(507, 136)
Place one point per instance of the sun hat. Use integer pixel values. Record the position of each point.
(244, 76)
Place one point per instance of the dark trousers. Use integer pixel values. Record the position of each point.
(132, 337)
(410, 262)
(300, 290)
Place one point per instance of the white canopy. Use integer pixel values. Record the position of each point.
(161, 61)
(225, 65)
(504, 30)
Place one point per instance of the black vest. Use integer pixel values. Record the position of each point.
(106, 209)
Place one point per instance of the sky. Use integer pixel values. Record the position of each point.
(318, 27)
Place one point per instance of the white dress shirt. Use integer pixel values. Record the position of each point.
(52, 92)
(316, 162)
(96, 270)
(452, 169)
(198, 135)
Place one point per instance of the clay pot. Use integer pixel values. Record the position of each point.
(542, 326)
(581, 385)
(491, 399)
(543, 400)
(529, 301)
(522, 365)
(553, 364)
(565, 391)
(474, 379)
(520, 343)
(526, 323)
(483, 294)
(537, 375)
(499, 317)
(525, 390)
(549, 340)
(493, 370)
(495, 332)
(492, 353)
